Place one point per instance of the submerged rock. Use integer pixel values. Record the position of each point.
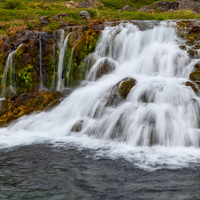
(105, 67)
(78, 126)
(24, 104)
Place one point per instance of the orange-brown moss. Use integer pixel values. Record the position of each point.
(24, 104)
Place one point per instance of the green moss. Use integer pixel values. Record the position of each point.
(195, 76)
(126, 87)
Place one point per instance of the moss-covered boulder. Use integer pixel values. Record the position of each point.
(195, 76)
(24, 104)
(120, 91)
(126, 86)
(105, 67)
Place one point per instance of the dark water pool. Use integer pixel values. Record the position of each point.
(52, 173)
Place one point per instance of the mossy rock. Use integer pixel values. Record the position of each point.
(105, 67)
(120, 91)
(192, 53)
(24, 104)
(192, 85)
(126, 86)
(195, 76)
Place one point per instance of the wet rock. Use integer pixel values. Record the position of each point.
(126, 86)
(105, 67)
(197, 66)
(44, 21)
(192, 85)
(192, 53)
(195, 76)
(182, 47)
(127, 8)
(120, 91)
(78, 126)
(84, 14)
(24, 104)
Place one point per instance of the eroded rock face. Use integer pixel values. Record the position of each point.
(24, 104)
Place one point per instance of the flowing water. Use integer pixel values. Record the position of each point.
(9, 67)
(145, 147)
(62, 49)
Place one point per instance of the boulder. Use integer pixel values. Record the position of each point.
(127, 8)
(126, 86)
(84, 14)
(105, 67)
(78, 126)
(44, 21)
(192, 53)
(120, 91)
(195, 76)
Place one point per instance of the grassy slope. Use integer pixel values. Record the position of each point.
(29, 11)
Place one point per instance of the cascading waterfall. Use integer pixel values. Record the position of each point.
(9, 66)
(62, 49)
(159, 119)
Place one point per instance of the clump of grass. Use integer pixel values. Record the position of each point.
(14, 4)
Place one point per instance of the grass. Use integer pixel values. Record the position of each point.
(27, 13)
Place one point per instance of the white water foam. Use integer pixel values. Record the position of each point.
(157, 126)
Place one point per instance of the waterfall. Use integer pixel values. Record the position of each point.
(41, 81)
(9, 66)
(62, 49)
(158, 121)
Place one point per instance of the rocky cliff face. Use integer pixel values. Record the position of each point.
(40, 49)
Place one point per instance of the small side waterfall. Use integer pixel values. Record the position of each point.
(9, 66)
(62, 49)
